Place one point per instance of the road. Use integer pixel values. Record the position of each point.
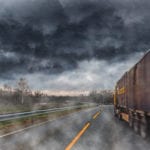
(85, 130)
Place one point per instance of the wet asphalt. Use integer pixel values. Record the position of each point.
(104, 133)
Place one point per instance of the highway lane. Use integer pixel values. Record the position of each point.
(93, 131)
(106, 132)
(54, 135)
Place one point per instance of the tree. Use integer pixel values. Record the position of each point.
(94, 96)
(23, 88)
(103, 97)
(7, 87)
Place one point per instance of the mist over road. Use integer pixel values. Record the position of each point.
(109, 133)
(104, 133)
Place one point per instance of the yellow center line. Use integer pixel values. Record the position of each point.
(96, 115)
(77, 137)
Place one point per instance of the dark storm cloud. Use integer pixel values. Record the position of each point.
(53, 36)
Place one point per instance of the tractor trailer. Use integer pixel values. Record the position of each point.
(132, 96)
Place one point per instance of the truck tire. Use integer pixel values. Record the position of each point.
(136, 126)
(143, 127)
(143, 130)
(120, 116)
(130, 122)
(115, 113)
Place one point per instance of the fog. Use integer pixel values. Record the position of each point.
(104, 133)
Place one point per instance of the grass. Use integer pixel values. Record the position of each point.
(10, 108)
(4, 109)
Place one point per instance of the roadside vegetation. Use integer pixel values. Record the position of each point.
(16, 124)
(23, 99)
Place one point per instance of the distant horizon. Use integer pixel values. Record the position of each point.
(62, 92)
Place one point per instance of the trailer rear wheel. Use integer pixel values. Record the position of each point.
(115, 112)
(143, 130)
(130, 122)
(120, 116)
(135, 126)
(143, 127)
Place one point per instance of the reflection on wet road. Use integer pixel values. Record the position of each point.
(89, 129)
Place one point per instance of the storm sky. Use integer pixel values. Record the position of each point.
(71, 44)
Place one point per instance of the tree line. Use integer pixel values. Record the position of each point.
(23, 95)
